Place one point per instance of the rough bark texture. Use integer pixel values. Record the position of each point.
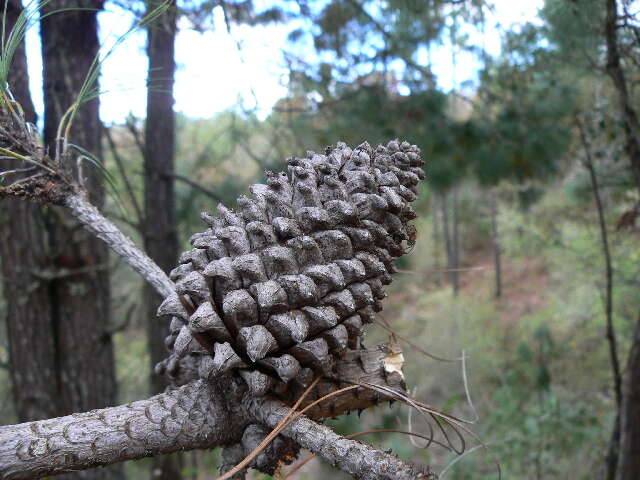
(629, 453)
(628, 113)
(93, 221)
(193, 416)
(159, 224)
(23, 254)
(350, 456)
(366, 365)
(199, 414)
(79, 279)
(34, 378)
(160, 236)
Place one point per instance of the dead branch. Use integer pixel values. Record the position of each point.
(197, 415)
(103, 228)
(193, 416)
(355, 458)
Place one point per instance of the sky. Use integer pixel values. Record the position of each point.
(216, 69)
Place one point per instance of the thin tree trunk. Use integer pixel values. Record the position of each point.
(455, 244)
(495, 243)
(612, 455)
(84, 359)
(160, 236)
(629, 115)
(437, 264)
(448, 242)
(629, 450)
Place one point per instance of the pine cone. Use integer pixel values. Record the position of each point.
(280, 287)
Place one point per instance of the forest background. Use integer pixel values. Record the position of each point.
(527, 258)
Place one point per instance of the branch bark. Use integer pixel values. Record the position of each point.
(353, 457)
(195, 416)
(108, 232)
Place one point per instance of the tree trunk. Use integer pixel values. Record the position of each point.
(629, 115)
(455, 245)
(446, 234)
(614, 443)
(23, 253)
(629, 450)
(19, 74)
(495, 243)
(437, 265)
(160, 236)
(450, 240)
(79, 283)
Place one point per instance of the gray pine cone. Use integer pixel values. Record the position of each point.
(280, 287)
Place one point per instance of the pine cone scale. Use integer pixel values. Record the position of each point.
(286, 283)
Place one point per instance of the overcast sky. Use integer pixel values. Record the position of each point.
(213, 73)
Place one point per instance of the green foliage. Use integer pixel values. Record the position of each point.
(529, 124)
(531, 420)
(11, 39)
(574, 29)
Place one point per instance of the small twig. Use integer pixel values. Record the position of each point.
(123, 174)
(27, 179)
(194, 185)
(274, 433)
(91, 218)
(136, 135)
(413, 345)
(125, 322)
(55, 274)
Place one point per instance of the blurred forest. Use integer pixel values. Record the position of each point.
(527, 260)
